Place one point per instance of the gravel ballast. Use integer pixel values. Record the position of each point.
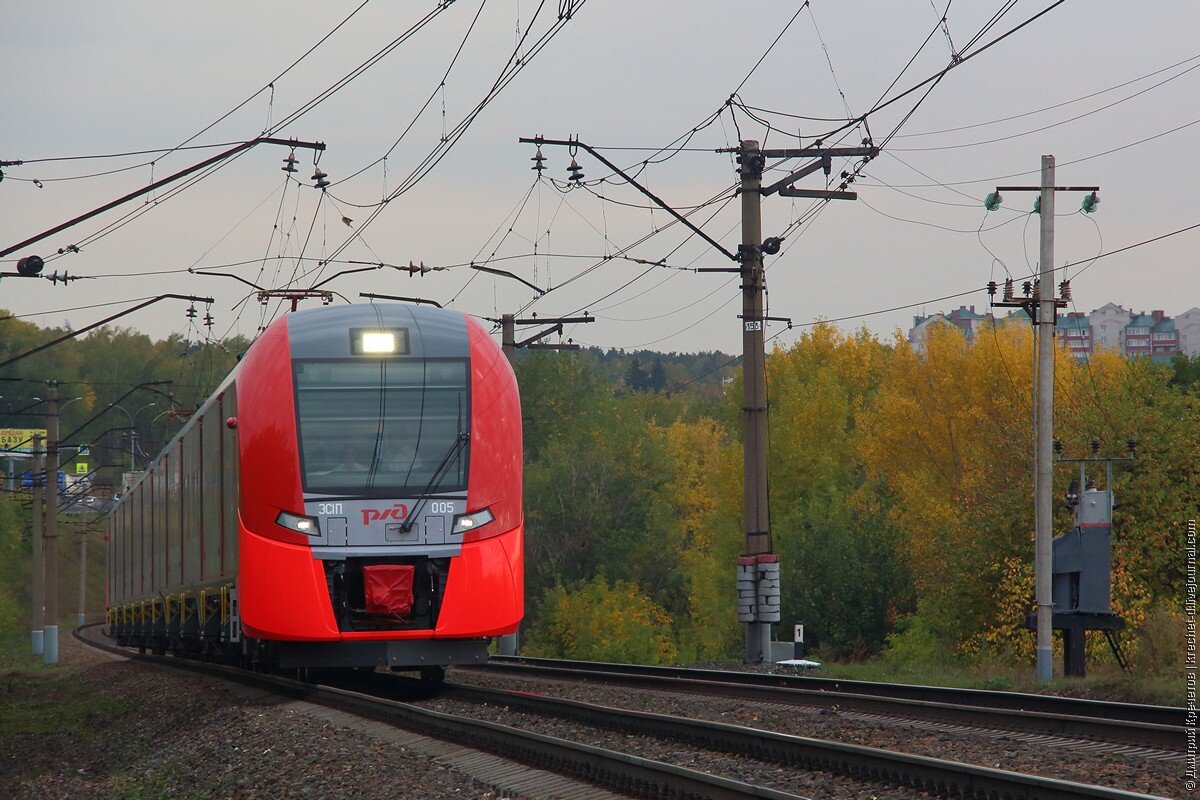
(996, 750)
(98, 726)
(101, 727)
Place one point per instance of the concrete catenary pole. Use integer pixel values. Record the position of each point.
(50, 651)
(507, 646)
(81, 617)
(508, 337)
(756, 517)
(38, 610)
(1045, 430)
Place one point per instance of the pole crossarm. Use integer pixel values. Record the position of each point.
(539, 141)
(554, 320)
(539, 336)
(819, 194)
(825, 163)
(1051, 188)
(105, 321)
(821, 152)
(318, 146)
(824, 156)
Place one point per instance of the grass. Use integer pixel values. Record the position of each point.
(36, 698)
(1103, 682)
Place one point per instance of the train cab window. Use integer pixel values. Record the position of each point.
(382, 427)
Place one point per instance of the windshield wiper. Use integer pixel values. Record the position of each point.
(435, 482)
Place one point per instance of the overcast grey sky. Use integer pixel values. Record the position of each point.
(1097, 84)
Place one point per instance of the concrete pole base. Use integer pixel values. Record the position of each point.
(80, 620)
(508, 645)
(50, 651)
(1045, 664)
(37, 642)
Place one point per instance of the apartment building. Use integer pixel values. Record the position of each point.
(1110, 327)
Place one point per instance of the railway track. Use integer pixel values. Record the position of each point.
(640, 777)
(621, 773)
(1125, 724)
(936, 776)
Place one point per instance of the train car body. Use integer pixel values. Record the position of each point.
(349, 496)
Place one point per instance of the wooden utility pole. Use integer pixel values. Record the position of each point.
(37, 618)
(50, 649)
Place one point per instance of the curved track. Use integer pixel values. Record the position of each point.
(619, 772)
(1154, 726)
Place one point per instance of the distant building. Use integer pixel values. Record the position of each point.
(1110, 327)
(965, 319)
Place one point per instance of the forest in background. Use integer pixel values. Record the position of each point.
(901, 485)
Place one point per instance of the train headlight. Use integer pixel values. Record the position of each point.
(469, 522)
(378, 341)
(299, 523)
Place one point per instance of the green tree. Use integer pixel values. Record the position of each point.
(602, 622)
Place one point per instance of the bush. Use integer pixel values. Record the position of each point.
(13, 552)
(1160, 644)
(921, 642)
(598, 622)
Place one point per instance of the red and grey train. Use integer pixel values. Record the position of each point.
(349, 496)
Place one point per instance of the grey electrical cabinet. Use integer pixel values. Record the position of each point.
(1083, 558)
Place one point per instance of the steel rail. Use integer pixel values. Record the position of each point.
(1024, 712)
(1131, 712)
(937, 776)
(619, 772)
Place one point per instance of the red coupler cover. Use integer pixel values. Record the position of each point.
(389, 589)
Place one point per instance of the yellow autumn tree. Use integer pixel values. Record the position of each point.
(949, 442)
(700, 524)
(841, 574)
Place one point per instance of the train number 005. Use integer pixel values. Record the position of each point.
(441, 508)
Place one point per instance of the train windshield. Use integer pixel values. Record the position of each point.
(382, 427)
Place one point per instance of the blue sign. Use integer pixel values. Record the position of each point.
(27, 480)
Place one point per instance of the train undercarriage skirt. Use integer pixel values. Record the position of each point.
(387, 653)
